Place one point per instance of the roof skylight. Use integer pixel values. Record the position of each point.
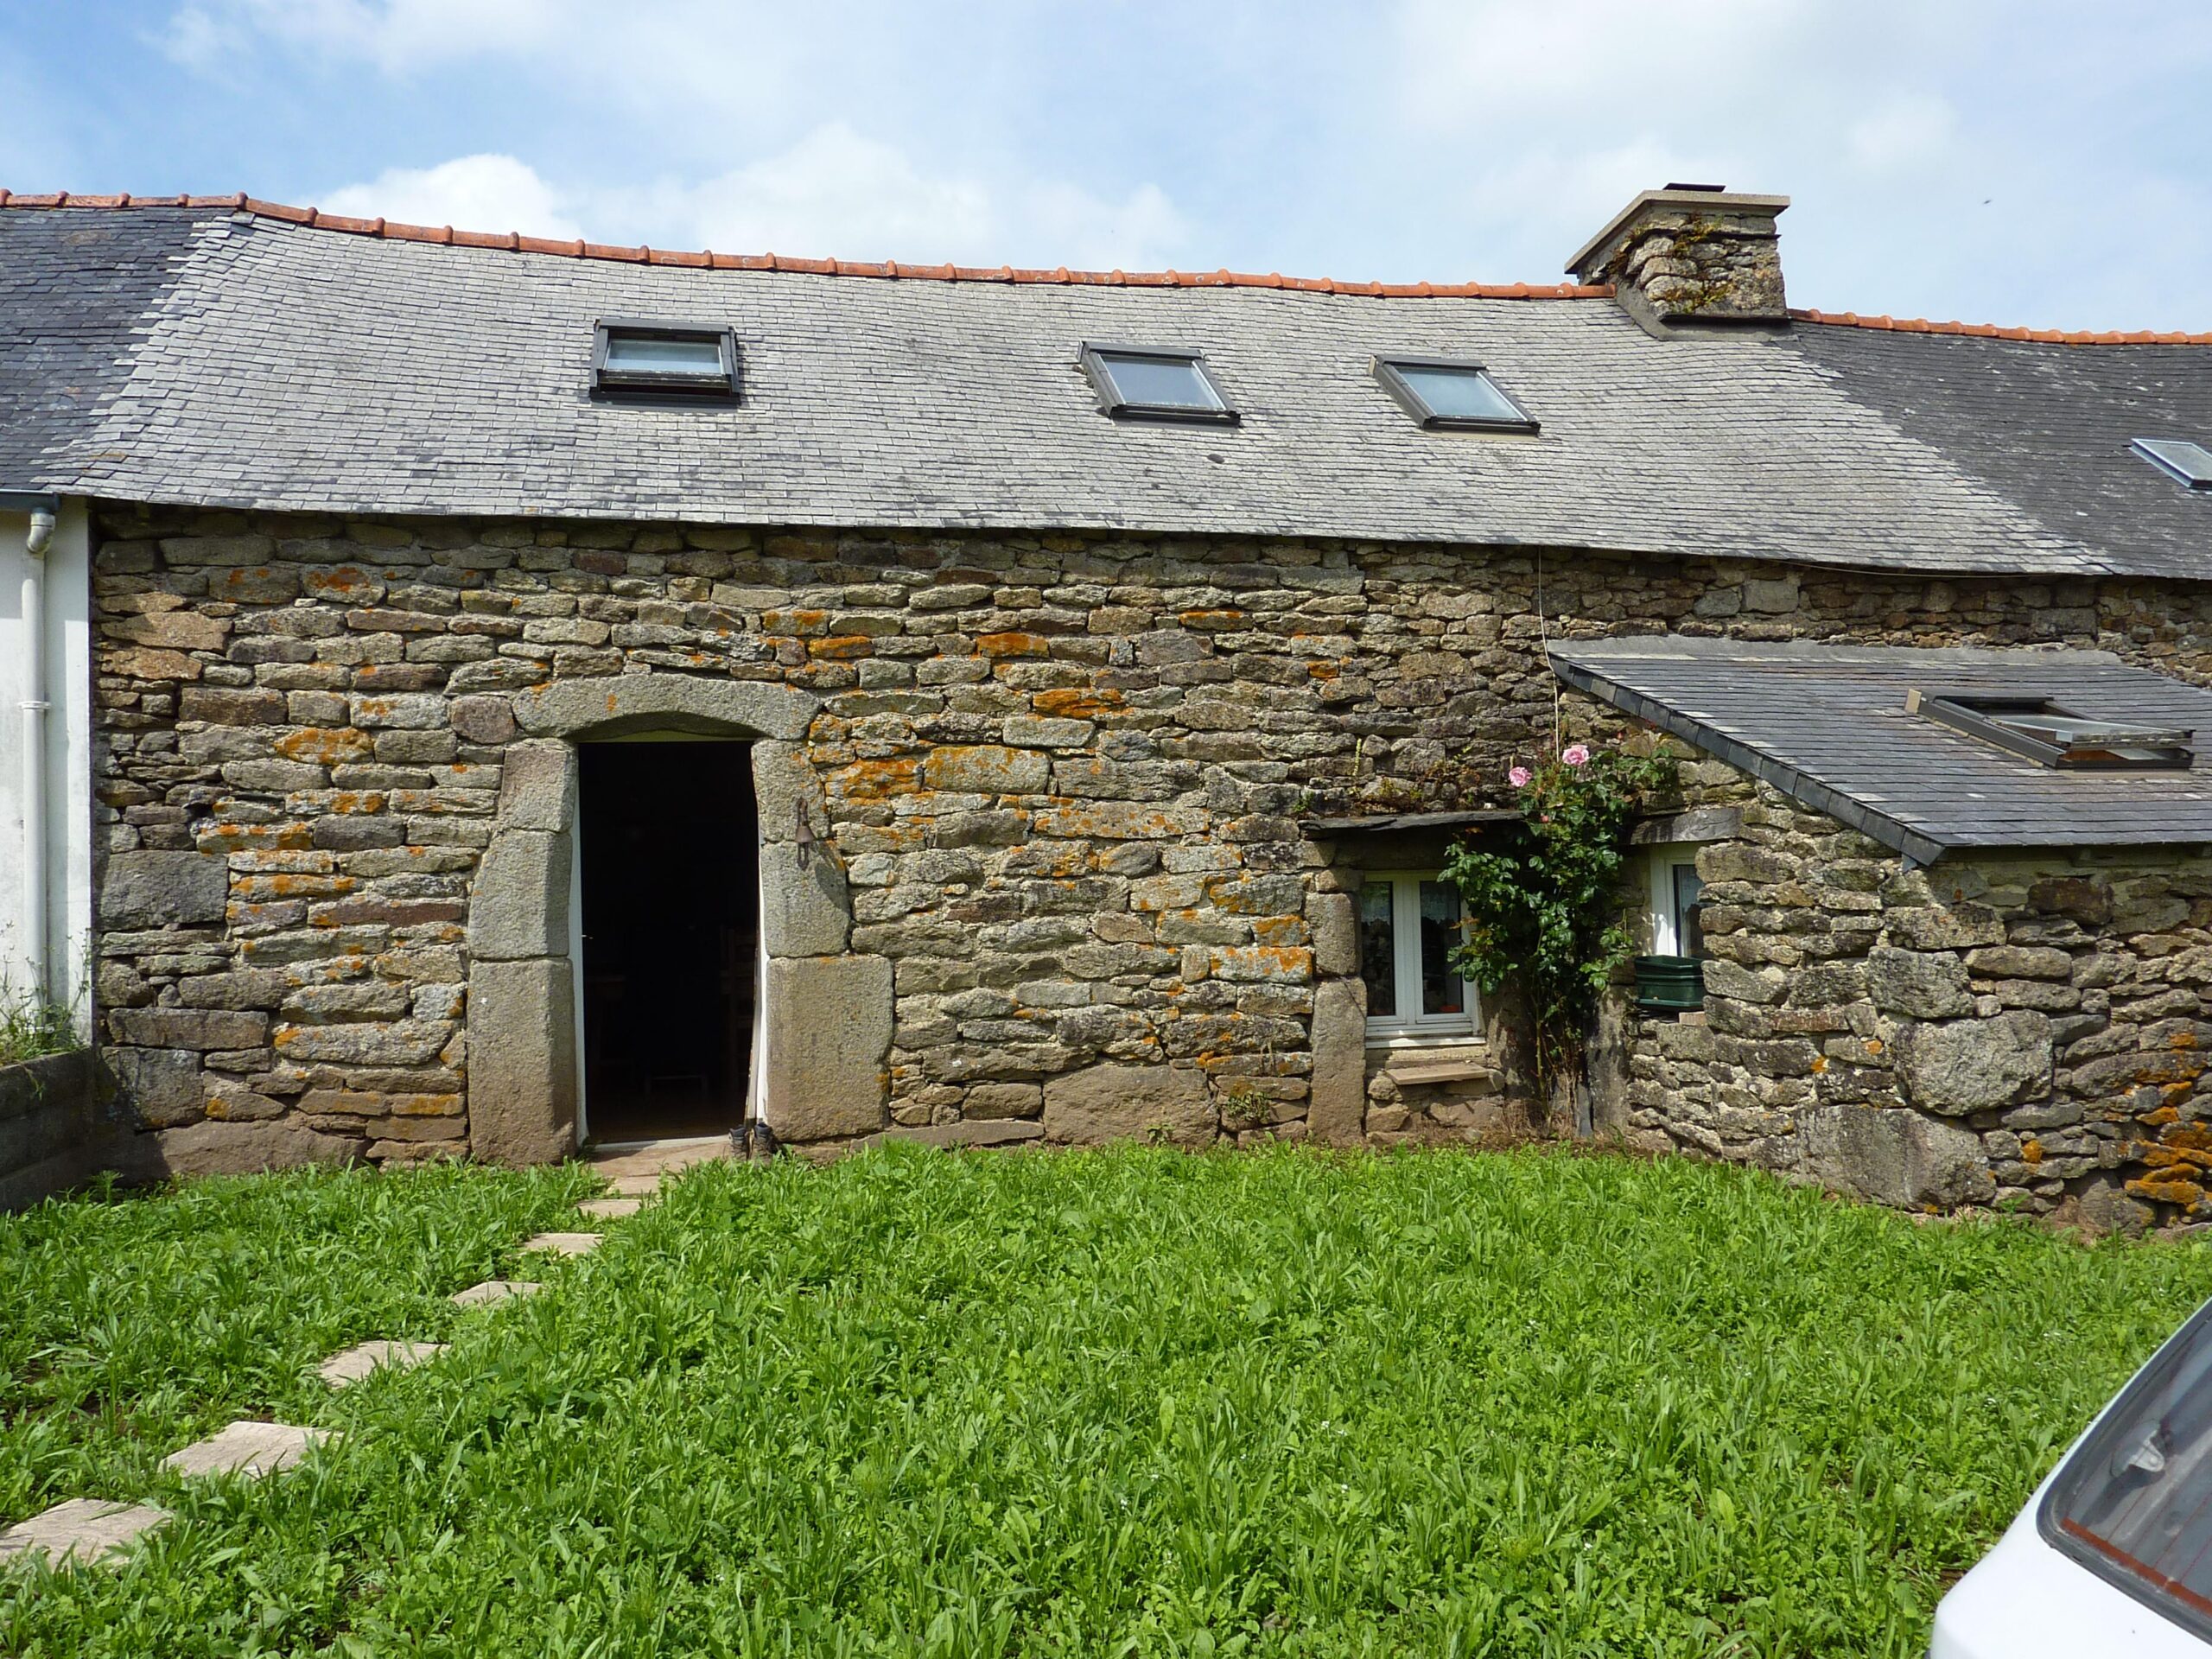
(2044, 731)
(1448, 396)
(687, 360)
(2189, 462)
(1156, 382)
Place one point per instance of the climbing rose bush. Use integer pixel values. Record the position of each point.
(1544, 895)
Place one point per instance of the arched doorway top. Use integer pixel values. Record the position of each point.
(632, 702)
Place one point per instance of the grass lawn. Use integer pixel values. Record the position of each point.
(1135, 1403)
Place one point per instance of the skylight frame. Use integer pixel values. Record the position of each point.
(2192, 475)
(1982, 714)
(1386, 372)
(633, 385)
(1095, 361)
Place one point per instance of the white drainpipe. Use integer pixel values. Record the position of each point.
(35, 706)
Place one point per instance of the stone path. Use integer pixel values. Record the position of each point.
(83, 1530)
(342, 1370)
(494, 1290)
(246, 1447)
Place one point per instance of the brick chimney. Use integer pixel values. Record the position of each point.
(1691, 255)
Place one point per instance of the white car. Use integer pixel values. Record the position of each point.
(2113, 1555)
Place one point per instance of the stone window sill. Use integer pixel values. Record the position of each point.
(1416, 1060)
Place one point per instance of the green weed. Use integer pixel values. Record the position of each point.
(1127, 1403)
(32, 1027)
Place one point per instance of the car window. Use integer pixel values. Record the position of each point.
(2134, 1503)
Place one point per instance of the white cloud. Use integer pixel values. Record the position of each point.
(836, 193)
(839, 194)
(472, 193)
(1471, 62)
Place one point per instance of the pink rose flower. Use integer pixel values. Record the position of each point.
(1518, 777)
(1576, 754)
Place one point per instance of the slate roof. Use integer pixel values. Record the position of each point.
(1827, 725)
(71, 304)
(246, 360)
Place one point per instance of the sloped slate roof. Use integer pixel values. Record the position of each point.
(273, 365)
(73, 296)
(1827, 725)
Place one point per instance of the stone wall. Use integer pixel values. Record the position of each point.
(1062, 778)
(2019, 1031)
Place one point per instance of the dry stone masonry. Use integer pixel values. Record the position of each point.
(2027, 1032)
(1034, 817)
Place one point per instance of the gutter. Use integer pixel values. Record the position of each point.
(43, 510)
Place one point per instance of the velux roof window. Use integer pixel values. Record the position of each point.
(1450, 397)
(2047, 733)
(1162, 383)
(632, 358)
(2189, 462)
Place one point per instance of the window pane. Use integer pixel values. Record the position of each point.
(1460, 394)
(2136, 1494)
(1162, 382)
(1689, 937)
(1378, 950)
(642, 354)
(1440, 989)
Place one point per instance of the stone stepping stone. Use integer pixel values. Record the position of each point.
(248, 1448)
(635, 1187)
(564, 1243)
(342, 1371)
(611, 1208)
(81, 1531)
(493, 1290)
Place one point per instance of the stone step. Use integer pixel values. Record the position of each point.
(564, 1243)
(81, 1531)
(493, 1291)
(611, 1208)
(246, 1447)
(342, 1371)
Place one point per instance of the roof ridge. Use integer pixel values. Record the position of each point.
(514, 242)
(1993, 331)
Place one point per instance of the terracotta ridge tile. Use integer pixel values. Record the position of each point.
(1991, 331)
(515, 241)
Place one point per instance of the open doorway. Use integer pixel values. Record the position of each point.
(670, 907)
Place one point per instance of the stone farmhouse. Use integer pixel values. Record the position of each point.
(478, 693)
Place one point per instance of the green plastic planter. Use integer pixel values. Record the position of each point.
(1670, 984)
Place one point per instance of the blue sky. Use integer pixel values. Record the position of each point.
(2023, 162)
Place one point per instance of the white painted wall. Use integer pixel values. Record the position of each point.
(68, 898)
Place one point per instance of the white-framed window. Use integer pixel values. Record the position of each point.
(1408, 922)
(1675, 890)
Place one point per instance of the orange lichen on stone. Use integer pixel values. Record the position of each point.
(804, 624)
(2196, 1136)
(1012, 644)
(1078, 703)
(2158, 1191)
(843, 648)
(2181, 1038)
(325, 747)
(1213, 621)
(876, 781)
(2031, 1152)
(2158, 1117)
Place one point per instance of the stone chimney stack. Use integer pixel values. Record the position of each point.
(1691, 255)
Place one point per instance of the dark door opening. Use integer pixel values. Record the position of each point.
(671, 936)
